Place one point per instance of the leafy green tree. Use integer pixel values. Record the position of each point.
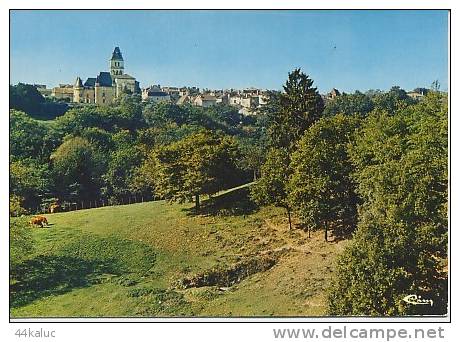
(271, 188)
(77, 167)
(349, 104)
(25, 97)
(202, 163)
(16, 207)
(287, 116)
(396, 98)
(290, 113)
(321, 188)
(27, 137)
(129, 110)
(253, 155)
(29, 181)
(21, 242)
(120, 172)
(98, 137)
(400, 247)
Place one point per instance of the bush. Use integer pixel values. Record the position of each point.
(21, 243)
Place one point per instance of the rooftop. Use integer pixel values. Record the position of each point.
(116, 55)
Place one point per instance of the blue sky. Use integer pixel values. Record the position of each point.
(347, 50)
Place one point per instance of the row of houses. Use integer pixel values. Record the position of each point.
(247, 100)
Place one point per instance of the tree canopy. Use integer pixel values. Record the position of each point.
(401, 241)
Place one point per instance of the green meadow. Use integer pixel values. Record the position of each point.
(133, 260)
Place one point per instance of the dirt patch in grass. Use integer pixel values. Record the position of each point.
(231, 275)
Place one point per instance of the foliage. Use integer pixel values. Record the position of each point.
(253, 156)
(21, 243)
(77, 168)
(396, 98)
(401, 241)
(289, 114)
(26, 98)
(202, 163)
(120, 172)
(271, 188)
(27, 137)
(320, 188)
(349, 104)
(16, 208)
(29, 181)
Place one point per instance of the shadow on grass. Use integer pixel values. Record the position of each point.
(51, 275)
(233, 203)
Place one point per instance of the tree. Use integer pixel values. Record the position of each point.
(29, 181)
(321, 188)
(253, 156)
(27, 137)
(21, 242)
(120, 172)
(349, 104)
(271, 188)
(25, 97)
(396, 98)
(287, 115)
(77, 168)
(16, 208)
(400, 246)
(290, 113)
(202, 163)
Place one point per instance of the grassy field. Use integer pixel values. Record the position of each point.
(133, 260)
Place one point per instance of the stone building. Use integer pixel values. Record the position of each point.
(63, 92)
(205, 100)
(107, 86)
(155, 94)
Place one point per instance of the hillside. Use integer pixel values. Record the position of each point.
(152, 259)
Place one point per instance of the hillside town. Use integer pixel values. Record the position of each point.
(108, 86)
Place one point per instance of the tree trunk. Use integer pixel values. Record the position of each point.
(255, 175)
(197, 203)
(325, 231)
(289, 217)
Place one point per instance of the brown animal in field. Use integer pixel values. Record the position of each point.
(54, 208)
(39, 221)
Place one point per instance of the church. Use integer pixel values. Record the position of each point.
(107, 86)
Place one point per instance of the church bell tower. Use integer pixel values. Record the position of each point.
(116, 63)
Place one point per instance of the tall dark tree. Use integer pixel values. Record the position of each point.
(291, 112)
(287, 116)
(25, 97)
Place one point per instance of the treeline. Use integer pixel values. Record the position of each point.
(374, 165)
(111, 153)
(26, 97)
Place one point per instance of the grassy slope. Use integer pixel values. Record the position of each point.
(126, 261)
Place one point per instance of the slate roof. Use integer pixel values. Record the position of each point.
(90, 82)
(104, 79)
(78, 82)
(125, 76)
(116, 55)
(157, 93)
